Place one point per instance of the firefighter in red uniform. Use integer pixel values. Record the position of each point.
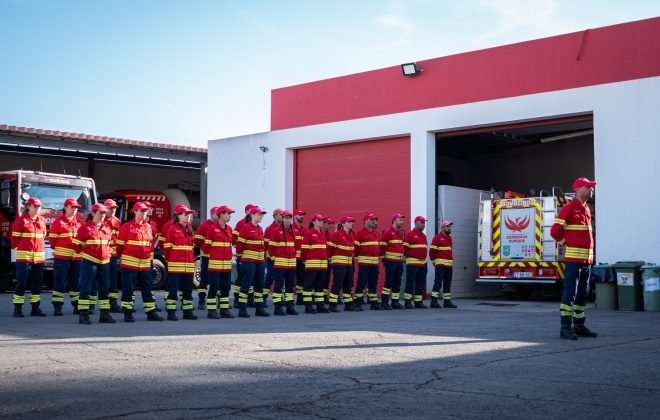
(154, 231)
(300, 231)
(270, 272)
(217, 245)
(327, 224)
(282, 251)
(342, 253)
(442, 258)
(235, 232)
(314, 255)
(114, 224)
(367, 252)
(250, 244)
(572, 228)
(134, 245)
(66, 263)
(27, 239)
(94, 241)
(200, 238)
(415, 250)
(391, 249)
(180, 263)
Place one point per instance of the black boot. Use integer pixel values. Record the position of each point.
(243, 313)
(291, 310)
(250, 302)
(350, 307)
(90, 311)
(375, 306)
(299, 299)
(340, 302)
(320, 308)
(106, 318)
(435, 304)
(420, 305)
(333, 308)
(128, 317)
(261, 311)
(448, 304)
(235, 300)
(279, 311)
(567, 333)
(582, 331)
(18, 311)
(225, 313)
(114, 307)
(409, 304)
(153, 316)
(36, 311)
(202, 302)
(83, 318)
(190, 315)
(386, 306)
(57, 310)
(309, 309)
(171, 316)
(397, 305)
(213, 315)
(75, 309)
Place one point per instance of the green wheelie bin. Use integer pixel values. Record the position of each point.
(629, 285)
(651, 283)
(605, 279)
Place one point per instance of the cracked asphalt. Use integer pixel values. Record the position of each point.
(478, 361)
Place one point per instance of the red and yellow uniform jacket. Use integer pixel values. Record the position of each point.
(572, 228)
(267, 234)
(250, 243)
(314, 251)
(114, 224)
(134, 244)
(179, 249)
(60, 237)
(441, 252)
(163, 234)
(282, 248)
(300, 233)
(200, 235)
(154, 232)
(414, 248)
(94, 242)
(217, 245)
(391, 245)
(235, 232)
(342, 247)
(28, 239)
(367, 246)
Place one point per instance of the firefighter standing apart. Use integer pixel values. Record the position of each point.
(391, 245)
(572, 228)
(442, 258)
(415, 251)
(27, 239)
(66, 263)
(200, 238)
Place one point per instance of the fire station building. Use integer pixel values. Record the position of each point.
(527, 117)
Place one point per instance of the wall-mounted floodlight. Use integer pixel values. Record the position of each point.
(410, 69)
(263, 148)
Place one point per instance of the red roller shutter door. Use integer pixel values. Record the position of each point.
(354, 178)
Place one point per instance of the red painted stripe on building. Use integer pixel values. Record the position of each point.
(610, 54)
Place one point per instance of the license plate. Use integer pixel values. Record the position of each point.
(522, 275)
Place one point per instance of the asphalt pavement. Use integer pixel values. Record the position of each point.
(486, 359)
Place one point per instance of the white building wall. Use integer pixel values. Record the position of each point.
(626, 156)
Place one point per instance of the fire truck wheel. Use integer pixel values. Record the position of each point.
(198, 272)
(159, 274)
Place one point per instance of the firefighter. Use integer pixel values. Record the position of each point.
(282, 251)
(300, 231)
(134, 245)
(314, 255)
(250, 244)
(94, 241)
(114, 224)
(415, 250)
(342, 252)
(180, 255)
(277, 222)
(235, 232)
(572, 228)
(391, 249)
(200, 238)
(442, 258)
(66, 263)
(367, 252)
(327, 224)
(217, 245)
(27, 239)
(154, 231)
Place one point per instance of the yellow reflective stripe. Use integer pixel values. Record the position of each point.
(340, 259)
(135, 262)
(414, 261)
(64, 252)
(440, 261)
(253, 242)
(224, 244)
(249, 254)
(138, 243)
(29, 255)
(219, 264)
(367, 260)
(284, 262)
(94, 259)
(417, 246)
(560, 221)
(316, 264)
(441, 248)
(577, 227)
(182, 247)
(370, 243)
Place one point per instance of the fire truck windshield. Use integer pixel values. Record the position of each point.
(53, 196)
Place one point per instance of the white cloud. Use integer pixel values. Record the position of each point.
(396, 21)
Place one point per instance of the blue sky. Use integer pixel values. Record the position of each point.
(185, 72)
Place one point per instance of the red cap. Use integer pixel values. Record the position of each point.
(369, 216)
(148, 204)
(72, 202)
(316, 217)
(298, 212)
(214, 210)
(328, 220)
(139, 206)
(346, 219)
(397, 216)
(99, 207)
(248, 207)
(446, 223)
(277, 211)
(256, 210)
(34, 201)
(583, 182)
(180, 208)
(110, 203)
(419, 219)
(286, 213)
(223, 209)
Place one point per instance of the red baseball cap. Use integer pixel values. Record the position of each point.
(369, 216)
(223, 209)
(298, 212)
(317, 217)
(419, 219)
(446, 223)
(328, 220)
(139, 206)
(148, 204)
(346, 219)
(286, 213)
(214, 210)
(397, 216)
(256, 210)
(110, 203)
(277, 211)
(72, 202)
(99, 207)
(583, 182)
(248, 207)
(34, 201)
(180, 208)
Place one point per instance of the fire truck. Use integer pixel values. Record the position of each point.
(16, 187)
(515, 248)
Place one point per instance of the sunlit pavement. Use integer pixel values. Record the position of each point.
(486, 359)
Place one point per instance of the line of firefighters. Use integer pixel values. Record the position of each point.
(286, 256)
